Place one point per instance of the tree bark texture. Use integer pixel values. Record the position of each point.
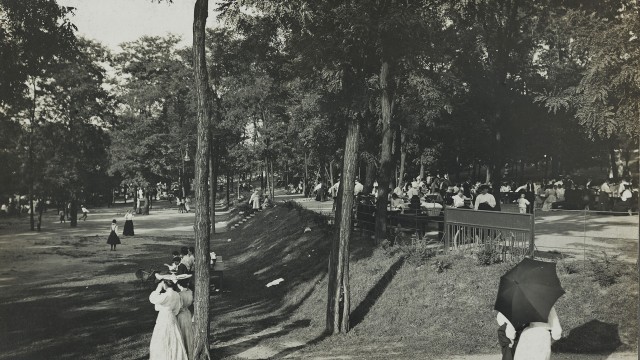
(386, 165)
(201, 296)
(403, 158)
(370, 175)
(213, 182)
(338, 302)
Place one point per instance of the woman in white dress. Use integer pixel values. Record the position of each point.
(254, 201)
(535, 340)
(184, 316)
(128, 224)
(166, 341)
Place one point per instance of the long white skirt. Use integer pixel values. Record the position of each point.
(166, 341)
(186, 329)
(534, 344)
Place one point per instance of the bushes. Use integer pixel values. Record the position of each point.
(488, 254)
(606, 271)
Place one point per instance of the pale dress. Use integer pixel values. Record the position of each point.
(184, 319)
(535, 340)
(166, 341)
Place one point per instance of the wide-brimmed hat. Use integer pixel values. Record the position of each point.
(483, 186)
(173, 277)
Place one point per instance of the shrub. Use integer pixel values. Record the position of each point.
(442, 263)
(568, 267)
(606, 271)
(488, 254)
(417, 255)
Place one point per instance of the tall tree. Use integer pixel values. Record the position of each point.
(202, 226)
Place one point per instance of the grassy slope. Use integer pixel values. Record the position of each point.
(412, 306)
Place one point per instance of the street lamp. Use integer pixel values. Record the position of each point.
(182, 180)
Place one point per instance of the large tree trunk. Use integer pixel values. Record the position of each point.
(30, 157)
(403, 158)
(135, 198)
(306, 175)
(331, 178)
(337, 319)
(369, 177)
(273, 184)
(422, 167)
(147, 203)
(213, 188)
(386, 165)
(40, 210)
(229, 185)
(201, 296)
(73, 212)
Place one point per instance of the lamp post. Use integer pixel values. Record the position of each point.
(182, 179)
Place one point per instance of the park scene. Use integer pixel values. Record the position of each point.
(298, 179)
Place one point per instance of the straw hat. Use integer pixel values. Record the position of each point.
(173, 277)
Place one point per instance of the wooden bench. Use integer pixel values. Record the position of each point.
(217, 271)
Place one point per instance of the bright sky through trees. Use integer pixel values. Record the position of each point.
(116, 21)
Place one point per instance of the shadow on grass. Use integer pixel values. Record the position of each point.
(113, 318)
(594, 337)
(374, 294)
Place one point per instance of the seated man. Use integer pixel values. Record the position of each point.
(623, 206)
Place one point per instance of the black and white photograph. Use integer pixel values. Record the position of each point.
(319, 179)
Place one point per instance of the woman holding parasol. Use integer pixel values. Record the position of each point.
(525, 302)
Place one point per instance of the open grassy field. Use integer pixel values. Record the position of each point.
(65, 296)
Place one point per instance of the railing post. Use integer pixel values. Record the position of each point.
(533, 229)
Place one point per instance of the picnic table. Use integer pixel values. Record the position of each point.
(432, 208)
(417, 221)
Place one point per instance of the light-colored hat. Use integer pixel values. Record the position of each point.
(172, 277)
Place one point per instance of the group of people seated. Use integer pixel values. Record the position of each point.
(182, 262)
(562, 193)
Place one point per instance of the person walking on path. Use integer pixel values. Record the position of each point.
(166, 341)
(113, 239)
(254, 201)
(128, 224)
(85, 213)
(523, 203)
(535, 340)
(62, 217)
(187, 207)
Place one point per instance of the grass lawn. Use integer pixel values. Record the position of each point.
(68, 297)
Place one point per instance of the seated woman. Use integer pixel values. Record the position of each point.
(396, 202)
(414, 206)
(459, 200)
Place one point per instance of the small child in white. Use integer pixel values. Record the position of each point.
(522, 204)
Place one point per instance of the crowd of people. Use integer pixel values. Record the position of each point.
(436, 192)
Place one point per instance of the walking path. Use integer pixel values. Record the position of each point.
(576, 234)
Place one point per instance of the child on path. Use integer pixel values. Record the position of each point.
(62, 218)
(85, 212)
(522, 204)
(113, 239)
